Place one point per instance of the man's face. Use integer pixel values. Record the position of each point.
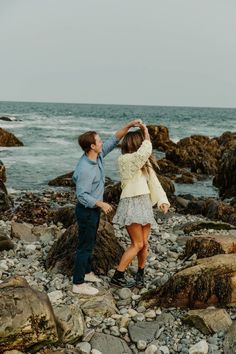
(97, 147)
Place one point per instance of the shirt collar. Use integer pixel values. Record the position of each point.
(92, 162)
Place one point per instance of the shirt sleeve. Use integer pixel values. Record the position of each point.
(84, 182)
(109, 145)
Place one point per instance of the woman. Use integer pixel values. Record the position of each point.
(140, 189)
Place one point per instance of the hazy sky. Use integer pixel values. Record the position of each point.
(157, 52)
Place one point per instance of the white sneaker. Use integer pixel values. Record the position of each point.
(92, 278)
(84, 289)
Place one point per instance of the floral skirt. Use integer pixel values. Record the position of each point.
(135, 210)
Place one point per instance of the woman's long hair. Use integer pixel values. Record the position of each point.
(131, 142)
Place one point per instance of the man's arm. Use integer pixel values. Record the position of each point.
(121, 132)
(112, 142)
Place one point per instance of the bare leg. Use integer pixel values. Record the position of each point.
(135, 232)
(143, 253)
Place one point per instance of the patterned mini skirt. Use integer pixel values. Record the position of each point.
(136, 209)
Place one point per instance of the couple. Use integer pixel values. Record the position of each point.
(140, 190)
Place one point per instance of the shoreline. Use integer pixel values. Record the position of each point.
(28, 260)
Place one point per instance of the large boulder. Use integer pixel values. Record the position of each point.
(64, 215)
(200, 153)
(225, 178)
(5, 200)
(107, 252)
(227, 140)
(62, 181)
(9, 139)
(27, 318)
(210, 281)
(3, 176)
(210, 208)
(160, 137)
(209, 321)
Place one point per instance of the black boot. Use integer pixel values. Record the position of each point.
(119, 280)
(139, 278)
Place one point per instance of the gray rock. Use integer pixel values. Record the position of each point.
(143, 331)
(71, 322)
(230, 340)
(209, 321)
(85, 347)
(108, 344)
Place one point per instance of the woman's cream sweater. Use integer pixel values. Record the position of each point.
(133, 180)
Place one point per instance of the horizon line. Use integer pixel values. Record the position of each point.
(118, 104)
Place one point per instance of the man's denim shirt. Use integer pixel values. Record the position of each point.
(89, 175)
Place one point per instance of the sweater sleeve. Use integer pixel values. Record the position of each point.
(137, 159)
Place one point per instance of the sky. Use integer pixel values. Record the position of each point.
(145, 52)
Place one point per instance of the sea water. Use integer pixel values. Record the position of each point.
(49, 132)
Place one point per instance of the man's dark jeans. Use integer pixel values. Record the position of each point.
(88, 222)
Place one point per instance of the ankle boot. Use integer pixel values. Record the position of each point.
(139, 278)
(119, 280)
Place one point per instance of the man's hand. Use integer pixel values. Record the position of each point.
(107, 208)
(164, 207)
(134, 123)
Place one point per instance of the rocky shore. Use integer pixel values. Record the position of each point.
(188, 304)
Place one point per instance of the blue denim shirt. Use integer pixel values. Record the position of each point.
(89, 175)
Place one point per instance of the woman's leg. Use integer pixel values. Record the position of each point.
(143, 253)
(135, 232)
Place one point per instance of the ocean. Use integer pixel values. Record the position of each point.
(50, 131)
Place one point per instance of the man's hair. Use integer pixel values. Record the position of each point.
(86, 140)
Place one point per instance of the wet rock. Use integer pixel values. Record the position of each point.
(210, 208)
(106, 255)
(160, 137)
(200, 153)
(112, 193)
(167, 185)
(62, 181)
(184, 178)
(198, 225)
(3, 176)
(9, 139)
(64, 215)
(5, 201)
(7, 119)
(27, 311)
(210, 281)
(168, 168)
(5, 243)
(225, 178)
(208, 245)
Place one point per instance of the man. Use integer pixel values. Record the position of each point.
(90, 178)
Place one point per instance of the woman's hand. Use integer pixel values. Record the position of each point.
(144, 128)
(164, 207)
